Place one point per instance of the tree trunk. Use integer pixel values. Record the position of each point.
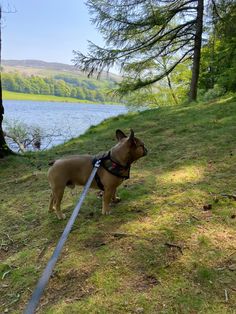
(197, 51)
(4, 149)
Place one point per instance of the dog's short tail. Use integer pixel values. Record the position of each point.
(51, 163)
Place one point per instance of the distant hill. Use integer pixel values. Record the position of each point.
(38, 64)
(58, 79)
(43, 68)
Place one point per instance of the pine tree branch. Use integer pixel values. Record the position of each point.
(101, 58)
(132, 86)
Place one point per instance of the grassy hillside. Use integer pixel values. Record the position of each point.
(168, 247)
(22, 96)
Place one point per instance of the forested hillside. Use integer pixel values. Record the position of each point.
(51, 79)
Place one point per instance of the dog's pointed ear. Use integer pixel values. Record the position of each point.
(131, 137)
(120, 135)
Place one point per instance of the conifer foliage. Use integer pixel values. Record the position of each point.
(139, 33)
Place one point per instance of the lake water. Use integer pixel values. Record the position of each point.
(64, 120)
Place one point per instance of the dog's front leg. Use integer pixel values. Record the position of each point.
(107, 196)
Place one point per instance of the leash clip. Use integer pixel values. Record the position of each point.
(97, 163)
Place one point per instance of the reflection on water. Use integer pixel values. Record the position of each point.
(64, 120)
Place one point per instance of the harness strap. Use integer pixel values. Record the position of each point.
(99, 182)
(111, 166)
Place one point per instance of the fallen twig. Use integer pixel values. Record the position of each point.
(193, 202)
(231, 196)
(226, 296)
(174, 245)
(43, 250)
(194, 217)
(17, 297)
(6, 273)
(121, 235)
(7, 235)
(221, 268)
(4, 246)
(231, 254)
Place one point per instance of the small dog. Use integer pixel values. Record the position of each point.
(115, 167)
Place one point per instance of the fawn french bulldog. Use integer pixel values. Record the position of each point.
(115, 167)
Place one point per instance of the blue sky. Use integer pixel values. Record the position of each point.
(46, 29)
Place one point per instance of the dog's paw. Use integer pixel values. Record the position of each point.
(106, 212)
(61, 216)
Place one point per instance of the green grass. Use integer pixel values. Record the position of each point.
(22, 96)
(191, 162)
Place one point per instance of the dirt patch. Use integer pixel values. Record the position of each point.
(228, 263)
(8, 246)
(94, 243)
(144, 282)
(69, 287)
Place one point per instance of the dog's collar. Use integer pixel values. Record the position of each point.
(127, 166)
(115, 168)
(111, 166)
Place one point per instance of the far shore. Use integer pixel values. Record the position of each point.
(35, 97)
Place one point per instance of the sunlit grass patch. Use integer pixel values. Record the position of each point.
(187, 174)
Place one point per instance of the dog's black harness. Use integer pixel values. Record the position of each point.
(111, 166)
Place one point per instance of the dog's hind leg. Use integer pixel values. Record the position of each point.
(51, 202)
(58, 195)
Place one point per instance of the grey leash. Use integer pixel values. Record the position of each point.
(33, 303)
